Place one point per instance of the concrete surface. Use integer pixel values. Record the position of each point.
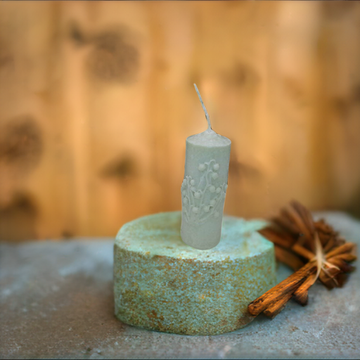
(56, 301)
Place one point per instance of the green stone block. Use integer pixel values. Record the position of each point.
(162, 284)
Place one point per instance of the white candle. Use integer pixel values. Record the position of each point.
(204, 187)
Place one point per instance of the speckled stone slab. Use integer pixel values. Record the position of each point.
(162, 284)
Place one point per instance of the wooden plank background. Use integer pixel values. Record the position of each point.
(97, 99)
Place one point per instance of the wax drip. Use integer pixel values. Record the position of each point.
(203, 106)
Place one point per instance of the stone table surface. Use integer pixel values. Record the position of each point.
(56, 301)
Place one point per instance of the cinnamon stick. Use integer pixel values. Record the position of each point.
(341, 250)
(297, 237)
(288, 258)
(286, 286)
(272, 310)
(301, 294)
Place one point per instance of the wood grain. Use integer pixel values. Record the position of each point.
(105, 91)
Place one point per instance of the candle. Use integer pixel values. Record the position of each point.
(204, 187)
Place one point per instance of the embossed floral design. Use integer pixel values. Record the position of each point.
(205, 199)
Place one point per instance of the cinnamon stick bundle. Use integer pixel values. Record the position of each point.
(313, 249)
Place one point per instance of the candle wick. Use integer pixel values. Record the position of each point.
(203, 106)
